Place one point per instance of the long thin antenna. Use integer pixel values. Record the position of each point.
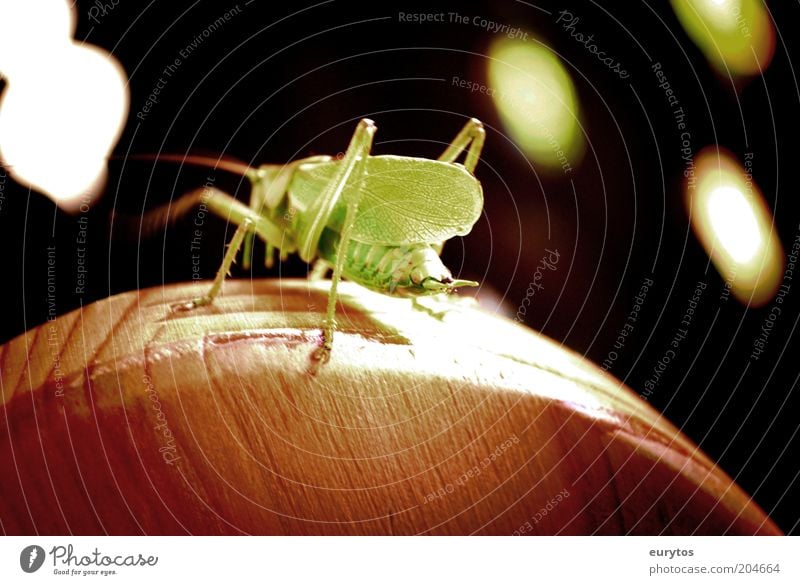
(211, 162)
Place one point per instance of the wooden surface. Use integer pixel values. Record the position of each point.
(128, 418)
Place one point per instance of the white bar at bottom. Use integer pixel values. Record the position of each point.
(402, 560)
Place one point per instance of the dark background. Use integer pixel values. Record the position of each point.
(278, 82)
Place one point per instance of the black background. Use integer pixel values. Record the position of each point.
(279, 82)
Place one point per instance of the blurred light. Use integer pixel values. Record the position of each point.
(30, 31)
(735, 227)
(58, 127)
(537, 102)
(736, 36)
(734, 223)
(64, 104)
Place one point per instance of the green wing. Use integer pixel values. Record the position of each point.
(414, 200)
(405, 200)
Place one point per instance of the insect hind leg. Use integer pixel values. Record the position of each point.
(472, 136)
(352, 168)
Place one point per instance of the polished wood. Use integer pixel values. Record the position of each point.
(127, 417)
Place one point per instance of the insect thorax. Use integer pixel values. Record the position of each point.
(396, 270)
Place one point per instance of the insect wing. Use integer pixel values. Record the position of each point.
(408, 200)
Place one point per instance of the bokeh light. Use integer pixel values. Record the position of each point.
(30, 32)
(734, 225)
(736, 36)
(536, 101)
(64, 104)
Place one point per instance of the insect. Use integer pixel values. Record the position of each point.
(379, 221)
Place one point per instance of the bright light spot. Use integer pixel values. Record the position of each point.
(722, 13)
(30, 31)
(537, 102)
(64, 104)
(54, 134)
(736, 36)
(735, 227)
(734, 223)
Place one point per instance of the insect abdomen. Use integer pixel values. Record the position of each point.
(386, 269)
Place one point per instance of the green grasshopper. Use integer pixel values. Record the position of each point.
(379, 221)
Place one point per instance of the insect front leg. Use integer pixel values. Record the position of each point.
(259, 204)
(270, 183)
(247, 221)
(472, 135)
(245, 229)
(351, 168)
(256, 206)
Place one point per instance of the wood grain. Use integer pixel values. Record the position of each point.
(129, 418)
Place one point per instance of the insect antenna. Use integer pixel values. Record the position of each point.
(156, 220)
(222, 163)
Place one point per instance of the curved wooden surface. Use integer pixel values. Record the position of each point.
(129, 418)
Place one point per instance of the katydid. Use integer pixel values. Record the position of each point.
(380, 221)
